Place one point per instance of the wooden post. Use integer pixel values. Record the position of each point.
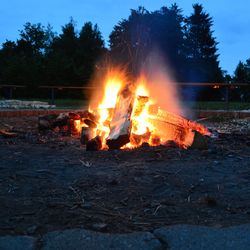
(52, 96)
(227, 98)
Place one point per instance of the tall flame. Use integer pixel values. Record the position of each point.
(150, 91)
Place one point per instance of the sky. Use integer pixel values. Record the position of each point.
(231, 19)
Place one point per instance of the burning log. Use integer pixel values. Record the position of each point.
(140, 139)
(94, 144)
(74, 116)
(120, 125)
(180, 121)
(87, 115)
(90, 123)
(174, 127)
(140, 105)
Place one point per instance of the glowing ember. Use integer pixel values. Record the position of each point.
(127, 117)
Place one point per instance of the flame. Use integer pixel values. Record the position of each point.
(216, 87)
(113, 82)
(148, 120)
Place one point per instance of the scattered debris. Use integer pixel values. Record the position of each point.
(4, 133)
(18, 104)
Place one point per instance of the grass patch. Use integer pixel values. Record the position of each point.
(68, 103)
(219, 105)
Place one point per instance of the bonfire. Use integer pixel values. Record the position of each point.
(127, 116)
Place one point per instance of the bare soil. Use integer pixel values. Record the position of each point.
(49, 182)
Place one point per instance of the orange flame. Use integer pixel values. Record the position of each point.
(147, 118)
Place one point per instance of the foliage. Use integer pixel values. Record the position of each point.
(200, 48)
(242, 75)
(40, 57)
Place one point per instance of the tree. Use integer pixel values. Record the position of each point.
(60, 60)
(201, 48)
(167, 34)
(72, 56)
(35, 36)
(130, 40)
(90, 48)
(23, 60)
(242, 75)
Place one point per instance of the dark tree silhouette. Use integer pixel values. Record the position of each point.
(71, 58)
(167, 35)
(242, 75)
(201, 48)
(60, 65)
(22, 61)
(90, 48)
(130, 40)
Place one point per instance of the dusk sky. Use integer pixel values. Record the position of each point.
(231, 19)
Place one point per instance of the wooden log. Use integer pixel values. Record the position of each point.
(61, 120)
(137, 140)
(87, 115)
(177, 128)
(86, 135)
(45, 122)
(166, 131)
(7, 134)
(140, 105)
(52, 121)
(120, 125)
(180, 121)
(90, 123)
(74, 116)
(94, 144)
(199, 142)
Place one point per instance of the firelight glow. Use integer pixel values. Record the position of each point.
(146, 124)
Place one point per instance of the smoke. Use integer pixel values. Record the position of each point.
(162, 87)
(156, 75)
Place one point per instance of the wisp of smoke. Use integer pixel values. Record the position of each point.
(163, 89)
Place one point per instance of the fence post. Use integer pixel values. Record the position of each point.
(227, 98)
(52, 96)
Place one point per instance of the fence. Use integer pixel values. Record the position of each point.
(8, 89)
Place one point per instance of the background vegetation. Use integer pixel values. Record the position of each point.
(41, 57)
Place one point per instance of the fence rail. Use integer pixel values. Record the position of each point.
(10, 87)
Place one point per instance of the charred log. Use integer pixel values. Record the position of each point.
(139, 139)
(87, 115)
(94, 144)
(199, 141)
(86, 135)
(6, 134)
(74, 116)
(90, 123)
(52, 121)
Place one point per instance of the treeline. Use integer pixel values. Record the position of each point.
(41, 57)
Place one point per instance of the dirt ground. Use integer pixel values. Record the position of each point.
(49, 182)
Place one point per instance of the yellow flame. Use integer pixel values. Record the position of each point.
(144, 107)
